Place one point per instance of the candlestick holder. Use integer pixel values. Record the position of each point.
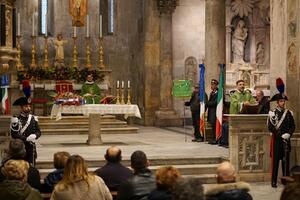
(128, 97)
(75, 53)
(101, 64)
(20, 66)
(88, 53)
(46, 61)
(33, 52)
(122, 96)
(118, 96)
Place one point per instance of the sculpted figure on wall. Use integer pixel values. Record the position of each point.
(260, 54)
(59, 48)
(292, 58)
(8, 28)
(238, 42)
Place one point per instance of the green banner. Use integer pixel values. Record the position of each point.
(182, 88)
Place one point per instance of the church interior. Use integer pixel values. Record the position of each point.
(135, 51)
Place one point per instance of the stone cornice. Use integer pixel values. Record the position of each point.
(167, 6)
(7, 2)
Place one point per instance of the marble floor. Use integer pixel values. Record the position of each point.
(155, 142)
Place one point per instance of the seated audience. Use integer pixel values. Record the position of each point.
(142, 183)
(113, 172)
(263, 102)
(15, 187)
(17, 151)
(188, 189)
(77, 183)
(291, 192)
(227, 187)
(59, 161)
(166, 178)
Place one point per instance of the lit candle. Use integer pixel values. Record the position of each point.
(19, 25)
(122, 84)
(100, 26)
(32, 24)
(128, 84)
(46, 24)
(74, 31)
(87, 26)
(118, 84)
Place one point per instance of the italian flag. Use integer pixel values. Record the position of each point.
(4, 94)
(220, 104)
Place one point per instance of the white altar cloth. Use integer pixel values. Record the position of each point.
(126, 110)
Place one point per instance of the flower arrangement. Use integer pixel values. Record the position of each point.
(67, 98)
(59, 73)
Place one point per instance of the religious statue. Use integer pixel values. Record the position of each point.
(260, 54)
(292, 58)
(78, 9)
(238, 42)
(59, 48)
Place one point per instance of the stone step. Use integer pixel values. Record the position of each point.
(78, 131)
(64, 125)
(46, 164)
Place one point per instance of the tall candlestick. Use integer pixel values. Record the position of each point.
(74, 31)
(19, 25)
(87, 26)
(122, 84)
(32, 24)
(100, 26)
(118, 84)
(46, 25)
(128, 84)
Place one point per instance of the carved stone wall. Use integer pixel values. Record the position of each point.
(251, 42)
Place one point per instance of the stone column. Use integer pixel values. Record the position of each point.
(215, 33)
(166, 115)
(94, 137)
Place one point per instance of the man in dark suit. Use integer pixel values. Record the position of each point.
(113, 172)
(212, 107)
(263, 102)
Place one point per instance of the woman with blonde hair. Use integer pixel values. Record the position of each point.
(166, 178)
(15, 185)
(77, 183)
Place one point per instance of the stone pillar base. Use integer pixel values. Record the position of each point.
(94, 130)
(167, 117)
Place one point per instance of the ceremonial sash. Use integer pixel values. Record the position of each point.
(281, 120)
(27, 124)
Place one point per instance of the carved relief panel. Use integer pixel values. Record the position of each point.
(190, 69)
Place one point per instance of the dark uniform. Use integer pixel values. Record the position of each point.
(211, 105)
(280, 123)
(22, 127)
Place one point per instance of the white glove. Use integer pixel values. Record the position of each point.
(286, 136)
(31, 137)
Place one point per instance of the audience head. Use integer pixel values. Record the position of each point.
(166, 177)
(113, 155)
(214, 84)
(16, 149)
(225, 173)
(188, 189)
(60, 159)
(15, 170)
(291, 192)
(240, 84)
(75, 169)
(139, 160)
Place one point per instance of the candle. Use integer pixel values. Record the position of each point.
(128, 84)
(122, 84)
(74, 31)
(87, 26)
(118, 84)
(46, 25)
(100, 26)
(19, 25)
(32, 24)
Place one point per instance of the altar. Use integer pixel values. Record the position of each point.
(94, 111)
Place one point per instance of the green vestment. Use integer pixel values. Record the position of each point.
(91, 93)
(237, 100)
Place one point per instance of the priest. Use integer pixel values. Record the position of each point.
(90, 91)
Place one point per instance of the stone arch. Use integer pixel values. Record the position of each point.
(190, 69)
